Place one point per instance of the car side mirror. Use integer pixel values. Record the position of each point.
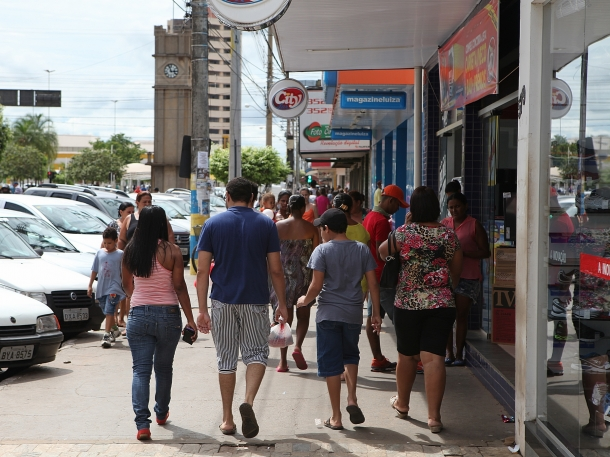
(39, 251)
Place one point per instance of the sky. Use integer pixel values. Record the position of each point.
(102, 51)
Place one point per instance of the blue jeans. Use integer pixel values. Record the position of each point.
(153, 332)
(337, 344)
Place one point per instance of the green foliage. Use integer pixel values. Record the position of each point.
(562, 151)
(568, 168)
(122, 147)
(23, 162)
(94, 166)
(37, 131)
(5, 134)
(261, 165)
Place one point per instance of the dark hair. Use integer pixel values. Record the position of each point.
(296, 202)
(424, 205)
(283, 193)
(323, 191)
(343, 202)
(459, 197)
(240, 190)
(254, 191)
(123, 206)
(141, 251)
(143, 194)
(110, 233)
(356, 196)
(267, 196)
(453, 187)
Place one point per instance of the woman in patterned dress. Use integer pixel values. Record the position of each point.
(424, 310)
(298, 239)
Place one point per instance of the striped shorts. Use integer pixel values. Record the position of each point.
(238, 328)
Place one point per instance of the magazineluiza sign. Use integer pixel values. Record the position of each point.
(316, 134)
(374, 100)
(468, 62)
(249, 14)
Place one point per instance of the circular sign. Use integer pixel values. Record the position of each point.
(561, 99)
(249, 14)
(288, 98)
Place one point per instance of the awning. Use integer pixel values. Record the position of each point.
(137, 171)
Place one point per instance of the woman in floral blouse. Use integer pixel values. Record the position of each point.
(424, 311)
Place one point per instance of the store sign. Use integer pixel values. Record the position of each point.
(373, 100)
(561, 98)
(595, 266)
(287, 98)
(249, 14)
(351, 134)
(468, 62)
(316, 133)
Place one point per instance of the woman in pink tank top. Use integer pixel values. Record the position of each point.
(475, 246)
(153, 276)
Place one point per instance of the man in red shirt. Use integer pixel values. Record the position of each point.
(377, 223)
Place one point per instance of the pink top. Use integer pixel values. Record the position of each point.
(471, 268)
(322, 204)
(158, 289)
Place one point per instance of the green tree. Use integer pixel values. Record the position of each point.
(37, 131)
(568, 168)
(122, 147)
(261, 165)
(94, 166)
(5, 134)
(23, 162)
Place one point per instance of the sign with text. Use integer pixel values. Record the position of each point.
(503, 317)
(468, 62)
(373, 100)
(316, 134)
(595, 266)
(249, 14)
(351, 134)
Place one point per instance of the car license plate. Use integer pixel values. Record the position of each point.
(185, 251)
(14, 353)
(76, 314)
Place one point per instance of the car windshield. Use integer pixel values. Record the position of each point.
(182, 205)
(82, 219)
(112, 204)
(12, 245)
(39, 235)
(217, 201)
(172, 211)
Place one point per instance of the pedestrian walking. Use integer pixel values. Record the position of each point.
(358, 213)
(128, 228)
(377, 195)
(17, 188)
(282, 202)
(298, 239)
(322, 202)
(268, 205)
(337, 266)
(475, 246)
(126, 209)
(311, 211)
(377, 223)
(244, 246)
(431, 263)
(109, 292)
(153, 277)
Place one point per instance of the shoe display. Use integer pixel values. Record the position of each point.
(586, 313)
(107, 340)
(558, 309)
(587, 334)
(383, 365)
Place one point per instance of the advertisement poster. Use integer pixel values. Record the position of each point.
(468, 62)
(316, 133)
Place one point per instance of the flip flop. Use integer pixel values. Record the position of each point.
(449, 361)
(355, 414)
(331, 426)
(300, 360)
(399, 413)
(249, 426)
(282, 370)
(228, 432)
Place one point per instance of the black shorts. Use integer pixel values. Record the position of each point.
(423, 330)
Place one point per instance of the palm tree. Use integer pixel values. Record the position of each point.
(37, 131)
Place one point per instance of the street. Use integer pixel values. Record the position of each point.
(80, 405)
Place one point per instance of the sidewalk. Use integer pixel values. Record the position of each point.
(80, 405)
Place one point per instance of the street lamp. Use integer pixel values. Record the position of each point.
(114, 101)
(49, 88)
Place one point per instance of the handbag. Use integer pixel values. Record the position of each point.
(391, 269)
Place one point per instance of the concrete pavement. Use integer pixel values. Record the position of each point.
(79, 405)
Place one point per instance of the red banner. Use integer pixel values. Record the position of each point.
(468, 62)
(595, 266)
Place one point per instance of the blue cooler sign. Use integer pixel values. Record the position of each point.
(351, 134)
(374, 100)
(249, 14)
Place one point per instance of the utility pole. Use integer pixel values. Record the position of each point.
(200, 131)
(235, 125)
(290, 150)
(269, 84)
(49, 109)
(114, 101)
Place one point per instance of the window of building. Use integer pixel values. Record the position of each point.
(212, 131)
(226, 132)
(226, 119)
(226, 73)
(214, 119)
(226, 97)
(214, 108)
(226, 108)
(214, 96)
(226, 51)
(214, 62)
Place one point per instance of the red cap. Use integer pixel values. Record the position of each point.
(396, 192)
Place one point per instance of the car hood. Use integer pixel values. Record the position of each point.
(23, 309)
(90, 242)
(183, 224)
(79, 262)
(37, 275)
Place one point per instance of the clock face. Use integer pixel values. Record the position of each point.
(171, 70)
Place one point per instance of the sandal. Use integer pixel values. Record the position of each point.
(230, 431)
(449, 361)
(355, 414)
(331, 426)
(299, 360)
(399, 413)
(435, 428)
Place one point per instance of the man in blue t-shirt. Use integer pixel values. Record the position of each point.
(244, 245)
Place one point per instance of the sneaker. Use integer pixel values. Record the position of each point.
(107, 341)
(554, 368)
(420, 367)
(383, 365)
(115, 332)
(588, 335)
(558, 310)
(143, 434)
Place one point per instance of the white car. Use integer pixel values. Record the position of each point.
(80, 223)
(48, 242)
(23, 271)
(29, 332)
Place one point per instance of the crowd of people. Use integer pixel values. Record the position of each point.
(314, 247)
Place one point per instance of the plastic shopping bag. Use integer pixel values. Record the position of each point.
(280, 336)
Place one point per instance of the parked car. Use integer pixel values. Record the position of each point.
(48, 242)
(29, 331)
(23, 271)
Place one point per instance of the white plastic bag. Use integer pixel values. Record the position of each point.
(280, 336)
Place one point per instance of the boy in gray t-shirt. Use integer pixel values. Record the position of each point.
(338, 266)
(109, 291)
